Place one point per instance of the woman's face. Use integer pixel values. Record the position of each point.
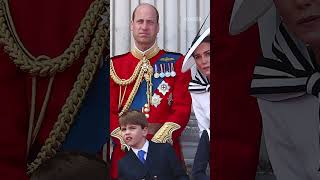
(302, 17)
(201, 56)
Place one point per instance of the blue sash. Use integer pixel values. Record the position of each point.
(89, 131)
(141, 97)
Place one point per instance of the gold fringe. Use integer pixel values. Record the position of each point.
(164, 134)
(117, 134)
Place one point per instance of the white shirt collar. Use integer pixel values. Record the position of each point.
(144, 148)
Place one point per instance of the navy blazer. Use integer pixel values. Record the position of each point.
(201, 160)
(161, 164)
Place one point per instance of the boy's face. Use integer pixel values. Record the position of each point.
(134, 135)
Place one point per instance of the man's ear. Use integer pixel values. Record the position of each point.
(131, 24)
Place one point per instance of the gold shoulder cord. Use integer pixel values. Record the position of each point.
(45, 66)
(137, 75)
(143, 70)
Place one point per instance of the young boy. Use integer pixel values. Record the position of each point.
(145, 159)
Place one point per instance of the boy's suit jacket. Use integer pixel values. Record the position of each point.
(161, 164)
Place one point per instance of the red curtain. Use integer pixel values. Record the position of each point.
(45, 27)
(237, 122)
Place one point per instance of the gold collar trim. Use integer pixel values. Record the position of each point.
(148, 54)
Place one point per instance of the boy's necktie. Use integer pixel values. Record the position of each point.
(141, 156)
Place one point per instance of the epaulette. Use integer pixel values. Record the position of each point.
(175, 53)
(170, 56)
(118, 56)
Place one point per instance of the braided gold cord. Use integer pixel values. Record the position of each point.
(43, 65)
(142, 70)
(124, 82)
(76, 96)
(136, 75)
(73, 102)
(132, 93)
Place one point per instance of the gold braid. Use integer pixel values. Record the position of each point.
(73, 102)
(142, 70)
(48, 67)
(124, 82)
(43, 65)
(138, 74)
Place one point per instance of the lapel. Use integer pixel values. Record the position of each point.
(136, 165)
(150, 155)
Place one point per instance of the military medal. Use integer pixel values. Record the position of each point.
(167, 68)
(156, 100)
(156, 73)
(161, 71)
(163, 87)
(173, 73)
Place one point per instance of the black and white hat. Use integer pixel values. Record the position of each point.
(188, 61)
(247, 12)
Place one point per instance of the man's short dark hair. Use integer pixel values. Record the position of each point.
(155, 9)
(133, 117)
(72, 166)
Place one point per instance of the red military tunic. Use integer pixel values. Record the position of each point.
(44, 27)
(175, 110)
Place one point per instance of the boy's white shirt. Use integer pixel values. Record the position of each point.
(144, 148)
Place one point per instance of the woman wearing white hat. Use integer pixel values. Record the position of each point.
(286, 81)
(199, 87)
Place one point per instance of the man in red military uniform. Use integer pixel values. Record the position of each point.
(44, 59)
(150, 80)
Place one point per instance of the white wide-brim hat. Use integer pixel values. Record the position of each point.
(189, 61)
(247, 12)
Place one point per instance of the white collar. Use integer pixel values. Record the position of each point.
(144, 148)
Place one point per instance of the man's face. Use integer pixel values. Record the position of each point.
(302, 17)
(145, 27)
(202, 58)
(134, 135)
